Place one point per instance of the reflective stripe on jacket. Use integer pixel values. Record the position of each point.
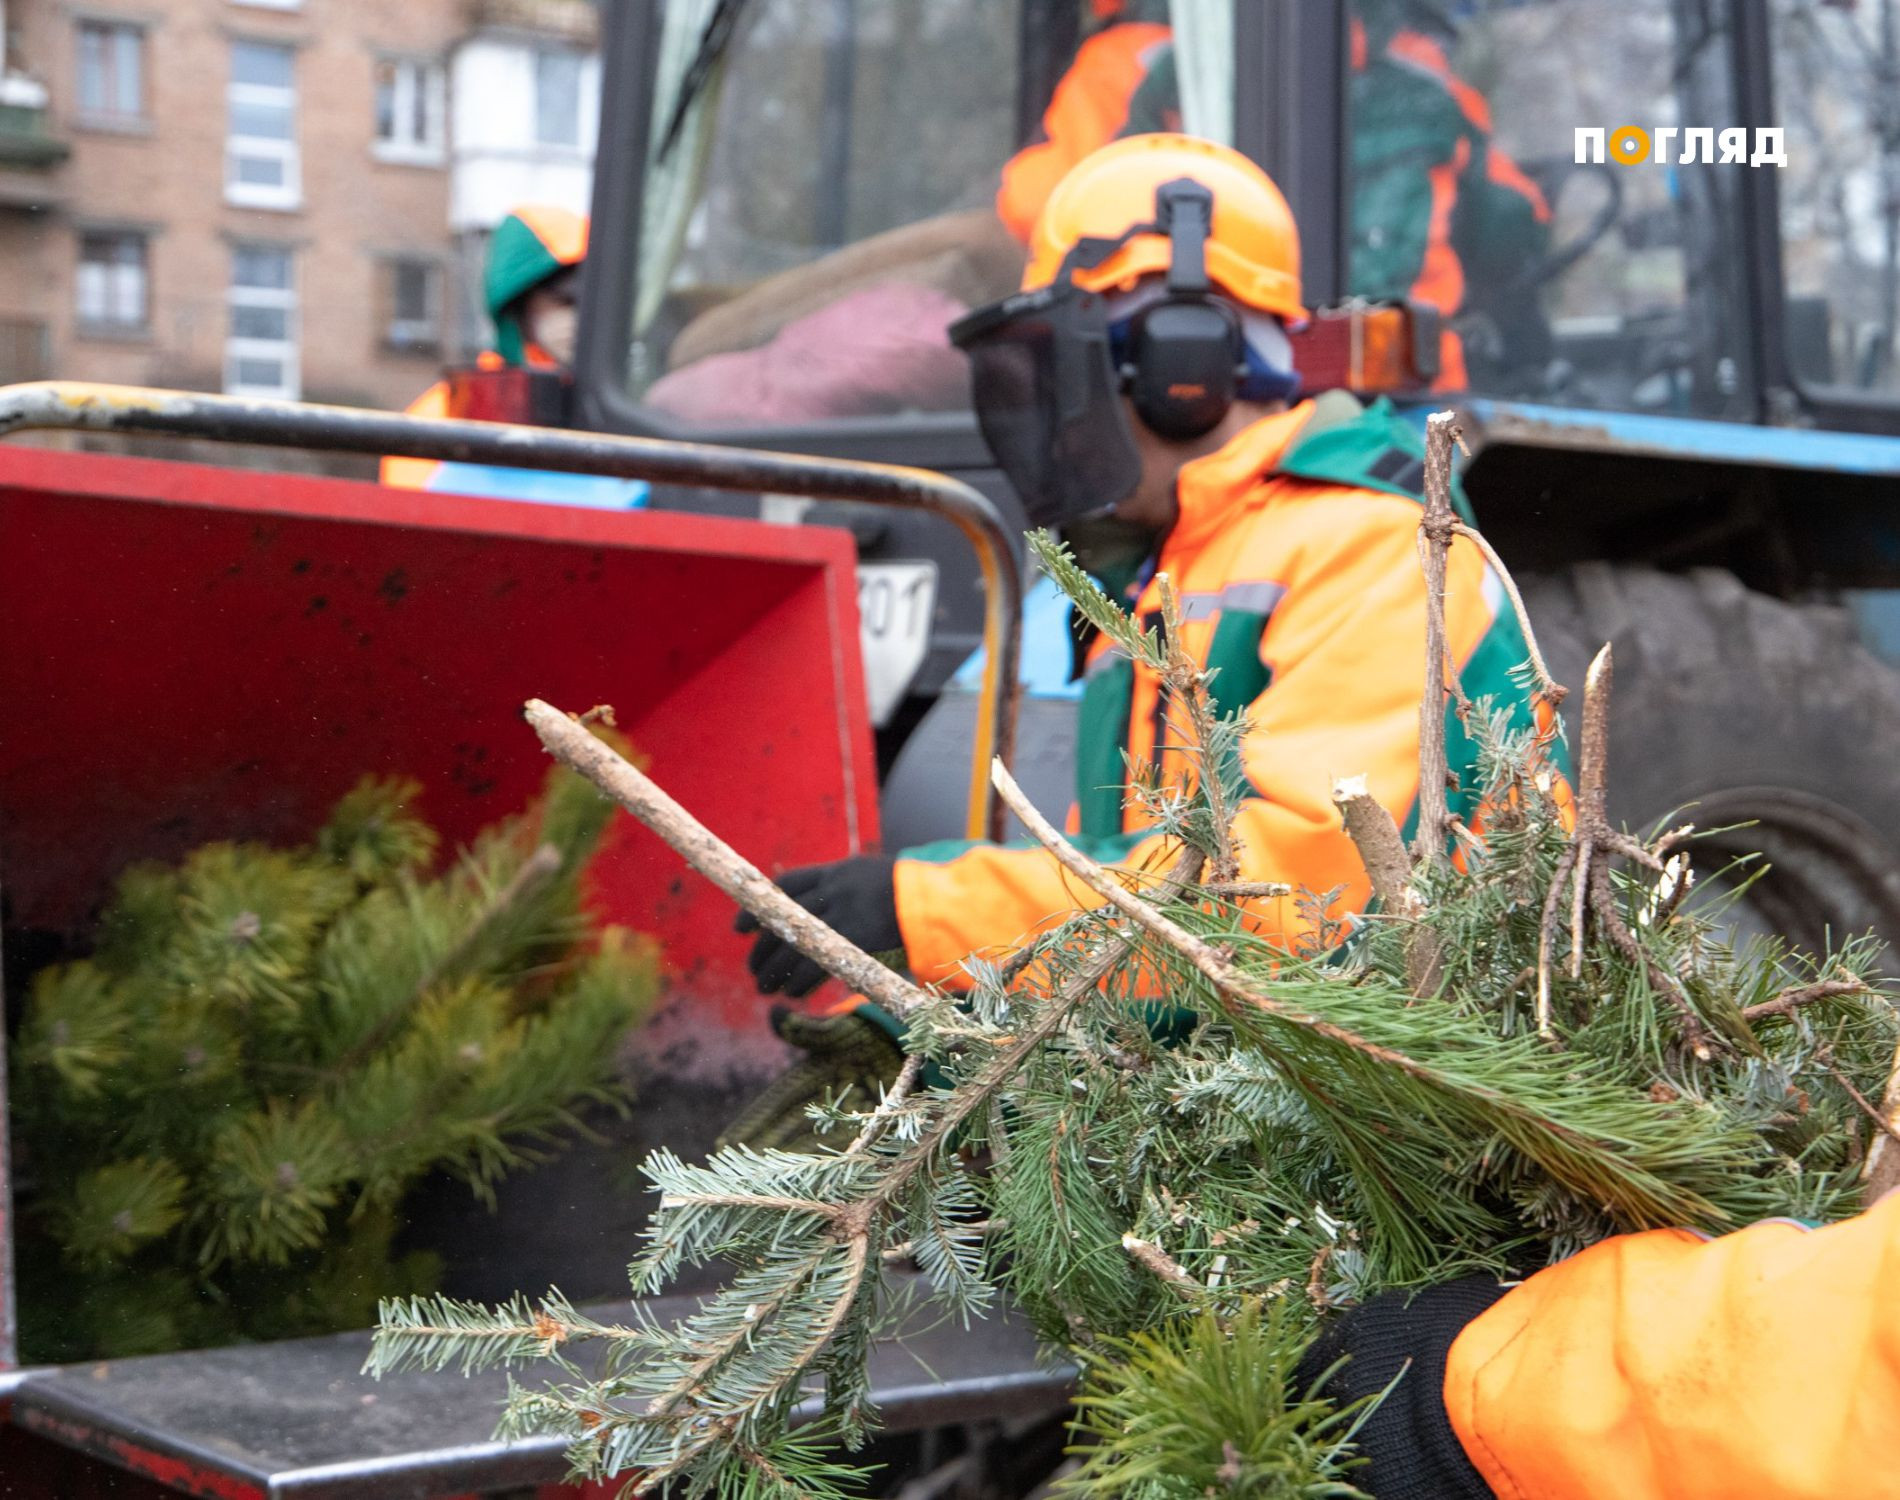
(1764, 1365)
(1295, 558)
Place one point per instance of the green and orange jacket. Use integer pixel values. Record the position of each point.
(1295, 558)
(1764, 1365)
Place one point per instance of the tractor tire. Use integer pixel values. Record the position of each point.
(1731, 707)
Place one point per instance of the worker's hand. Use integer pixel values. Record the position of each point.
(855, 897)
(1410, 1448)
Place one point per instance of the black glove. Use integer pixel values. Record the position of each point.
(849, 1058)
(854, 896)
(1410, 1449)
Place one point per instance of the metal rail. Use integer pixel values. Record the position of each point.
(77, 406)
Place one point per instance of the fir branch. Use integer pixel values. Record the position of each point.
(573, 746)
(1569, 1154)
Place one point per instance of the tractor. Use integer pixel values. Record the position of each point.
(1682, 410)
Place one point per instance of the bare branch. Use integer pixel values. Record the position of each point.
(1382, 852)
(1794, 998)
(1435, 531)
(1549, 688)
(1882, 1172)
(1381, 849)
(573, 746)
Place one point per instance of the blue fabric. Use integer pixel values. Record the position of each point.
(1047, 653)
(545, 487)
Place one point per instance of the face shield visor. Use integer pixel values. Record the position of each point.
(1048, 399)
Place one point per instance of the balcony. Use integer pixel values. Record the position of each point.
(24, 139)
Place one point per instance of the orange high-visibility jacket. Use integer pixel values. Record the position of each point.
(1296, 561)
(1764, 1365)
(1086, 112)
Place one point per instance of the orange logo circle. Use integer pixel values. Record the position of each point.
(1629, 144)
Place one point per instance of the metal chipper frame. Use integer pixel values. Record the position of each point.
(191, 653)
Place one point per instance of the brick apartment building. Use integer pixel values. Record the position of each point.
(273, 197)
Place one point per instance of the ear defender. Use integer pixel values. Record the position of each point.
(1185, 354)
(1185, 357)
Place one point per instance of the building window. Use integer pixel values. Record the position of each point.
(411, 99)
(557, 98)
(260, 350)
(414, 292)
(261, 167)
(113, 282)
(111, 72)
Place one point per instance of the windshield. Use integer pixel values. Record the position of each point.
(1590, 283)
(831, 183)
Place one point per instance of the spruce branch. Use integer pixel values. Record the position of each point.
(1186, 683)
(569, 742)
(1598, 1166)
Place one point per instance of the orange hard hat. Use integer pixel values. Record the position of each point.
(1253, 249)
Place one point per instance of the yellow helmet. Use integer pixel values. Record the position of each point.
(1253, 250)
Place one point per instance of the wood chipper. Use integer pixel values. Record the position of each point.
(199, 653)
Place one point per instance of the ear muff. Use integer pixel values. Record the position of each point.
(1184, 356)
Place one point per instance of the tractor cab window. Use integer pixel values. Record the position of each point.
(1596, 284)
(1837, 96)
(831, 183)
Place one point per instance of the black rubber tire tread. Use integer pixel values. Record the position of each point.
(1741, 702)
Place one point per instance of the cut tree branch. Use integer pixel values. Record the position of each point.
(1154, 1258)
(1790, 1000)
(573, 746)
(1435, 531)
(1882, 1172)
(1382, 852)
(1187, 684)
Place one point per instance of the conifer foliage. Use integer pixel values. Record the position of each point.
(1508, 1058)
(218, 1113)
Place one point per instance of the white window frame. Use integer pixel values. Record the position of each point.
(119, 31)
(289, 193)
(270, 4)
(408, 335)
(429, 76)
(286, 350)
(110, 326)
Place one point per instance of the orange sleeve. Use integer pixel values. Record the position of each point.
(414, 473)
(1765, 1365)
(1346, 653)
(1089, 105)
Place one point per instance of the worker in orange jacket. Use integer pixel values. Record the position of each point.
(534, 257)
(1141, 397)
(1441, 214)
(1141, 371)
